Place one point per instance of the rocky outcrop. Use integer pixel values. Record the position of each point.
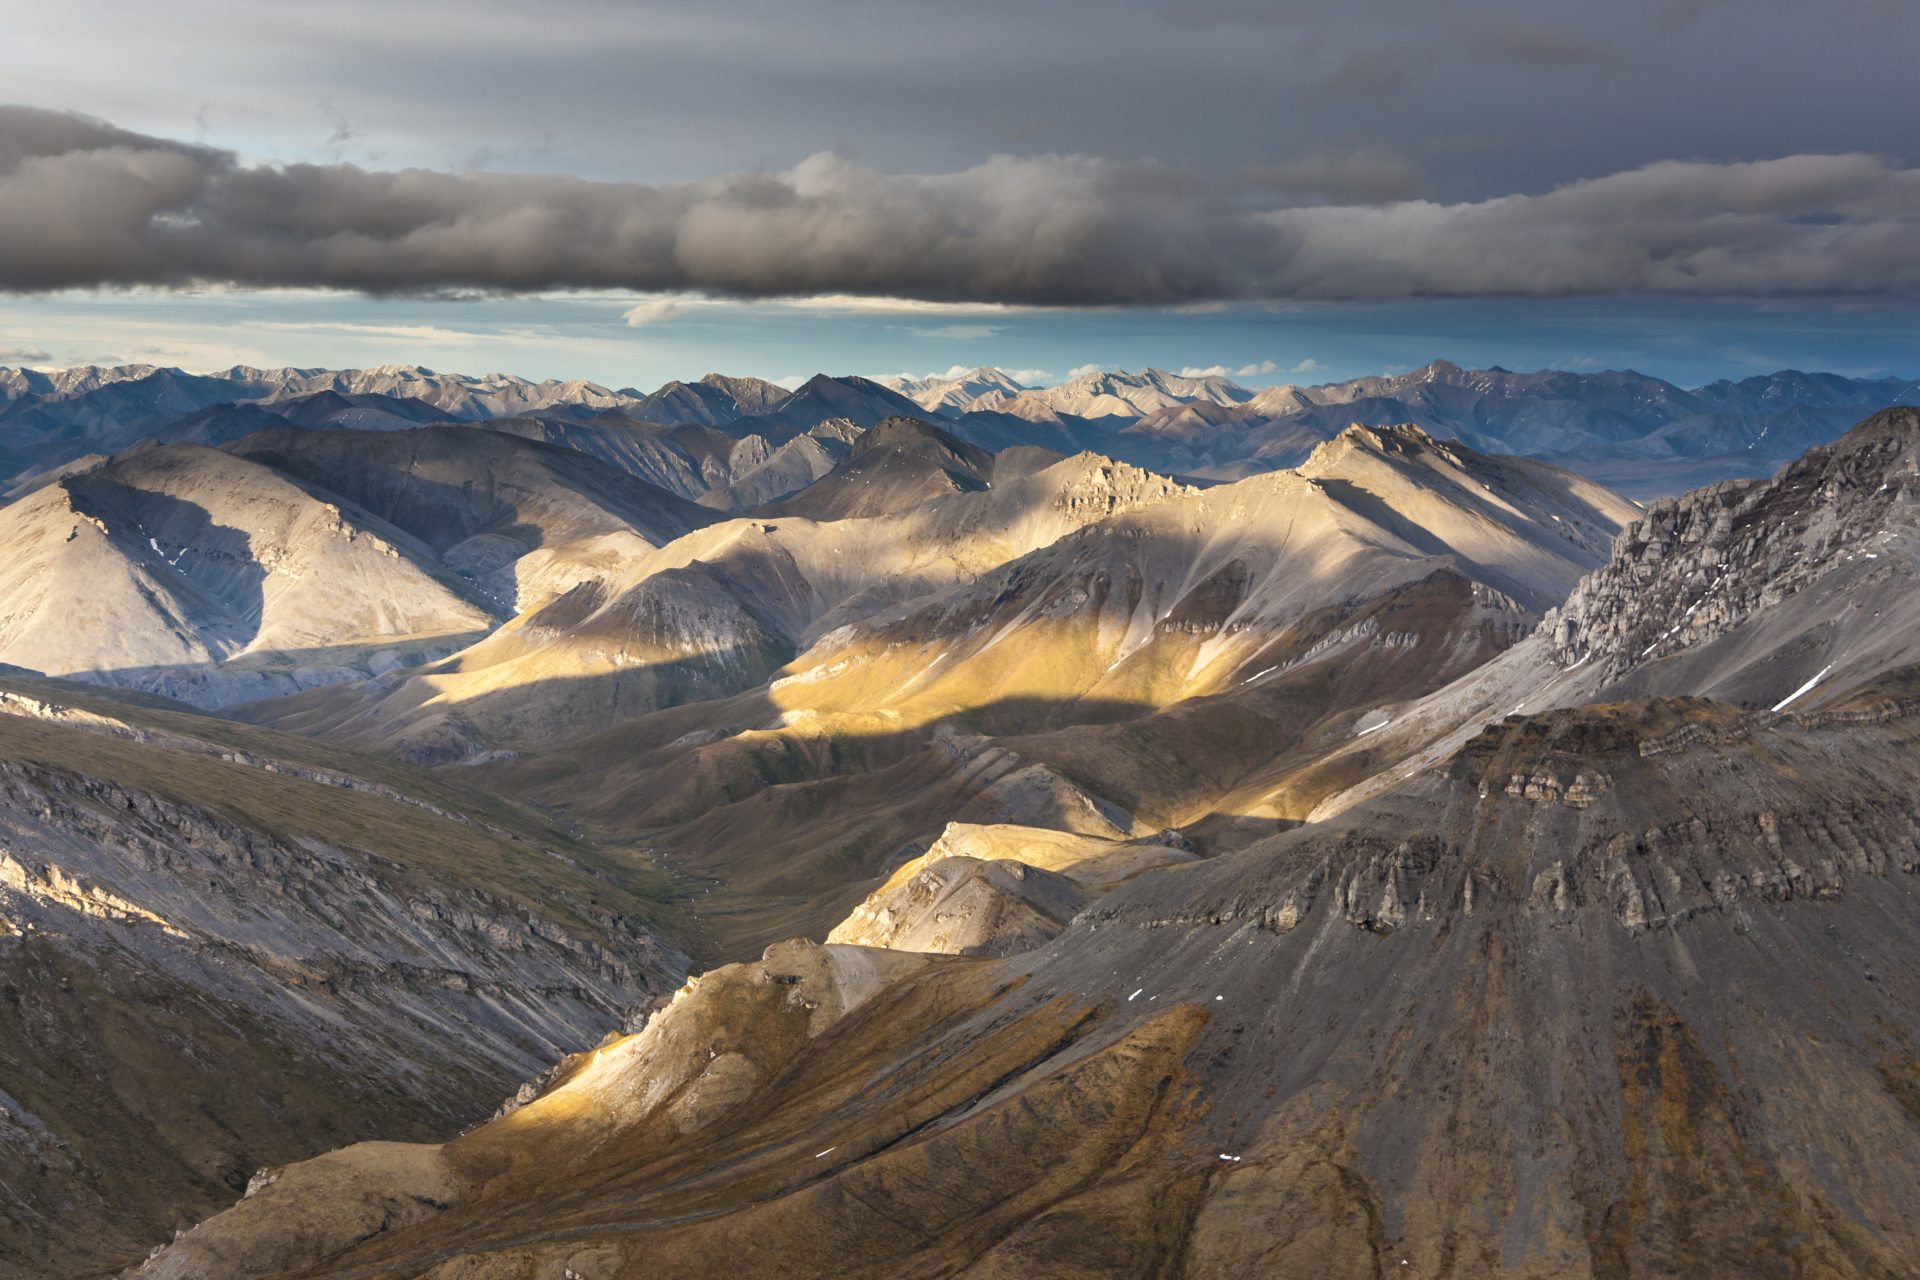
(962, 906)
(998, 889)
(1695, 567)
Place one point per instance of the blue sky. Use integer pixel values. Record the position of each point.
(589, 336)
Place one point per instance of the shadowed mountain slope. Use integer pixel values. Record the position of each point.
(520, 520)
(302, 557)
(211, 577)
(858, 400)
(761, 473)
(890, 468)
(688, 460)
(222, 948)
(713, 401)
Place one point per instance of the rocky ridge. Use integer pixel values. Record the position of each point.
(1694, 567)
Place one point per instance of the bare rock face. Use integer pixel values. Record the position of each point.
(998, 889)
(964, 906)
(1695, 567)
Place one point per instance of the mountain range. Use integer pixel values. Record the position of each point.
(1371, 846)
(1448, 868)
(1639, 434)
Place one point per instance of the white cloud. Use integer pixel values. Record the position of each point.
(949, 374)
(1029, 377)
(792, 382)
(23, 356)
(1255, 370)
(656, 311)
(1085, 370)
(407, 332)
(1309, 365)
(1211, 371)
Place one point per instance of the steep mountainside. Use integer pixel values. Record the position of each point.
(1081, 645)
(521, 521)
(1716, 590)
(858, 400)
(711, 614)
(726, 472)
(689, 460)
(1154, 605)
(210, 577)
(713, 401)
(302, 557)
(761, 474)
(222, 948)
(1610, 989)
(889, 468)
(1788, 593)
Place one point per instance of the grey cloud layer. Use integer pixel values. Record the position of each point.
(1484, 96)
(85, 204)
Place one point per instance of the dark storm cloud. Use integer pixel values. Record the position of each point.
(85, 204)
(1368, 176)
(1486, 97)
(1532, 44)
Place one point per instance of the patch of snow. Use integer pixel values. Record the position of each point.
(1131, 998)
(1782, 704)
